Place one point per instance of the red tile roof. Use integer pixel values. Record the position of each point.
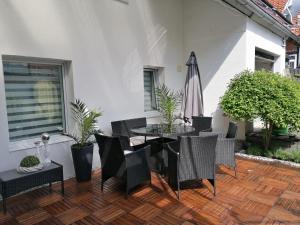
(267, 8)
(278, 4)
(296, 24)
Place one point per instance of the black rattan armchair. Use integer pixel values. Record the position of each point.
(192, 158)
(130, 166)
(201, 123)
(123, 127)
(225, 149)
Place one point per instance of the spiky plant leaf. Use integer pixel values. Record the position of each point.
(85, 122)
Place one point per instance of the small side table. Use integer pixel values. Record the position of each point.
(12, 182)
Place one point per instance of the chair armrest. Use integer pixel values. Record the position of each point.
(125, 143)
(134, 158)
(138, 147)
(172, 147)
(225, 151)
(227, 142)
(206, 130)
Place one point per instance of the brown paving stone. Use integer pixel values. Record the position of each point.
(291, 195)
(255, 207)
(187, 223)
(128, 204)
(146, 212)
(4, 217)
(50, 221)
(72, 215)
(262, 198)
(166, 219)
(49, 199)
(59, 207)
(109, 213)
(260, 194)
(127, 219)
(94, 203)
(280, 214)
(89, 220)
(33, 217)
(246, 217)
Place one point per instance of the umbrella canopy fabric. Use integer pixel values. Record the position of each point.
(192, 103)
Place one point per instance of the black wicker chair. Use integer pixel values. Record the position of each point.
(192, 158)
(201, 123)
(225, 149)
(130, 166)
(123, 127)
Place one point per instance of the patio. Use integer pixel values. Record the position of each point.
(262, 194)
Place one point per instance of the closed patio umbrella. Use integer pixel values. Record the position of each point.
(192, 103)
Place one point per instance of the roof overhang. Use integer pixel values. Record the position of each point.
(262, 13)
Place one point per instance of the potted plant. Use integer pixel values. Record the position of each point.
(168, 101)
(82, 151)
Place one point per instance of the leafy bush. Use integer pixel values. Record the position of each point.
(273, 98)
(30, 161)
(287, 155)
(259, 151)
(293, 155)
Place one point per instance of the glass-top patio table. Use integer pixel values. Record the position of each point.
(163, 130)
(165, 134)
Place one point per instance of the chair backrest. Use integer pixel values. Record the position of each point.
(123, 127)
(111, 154)
(197, 157)
(232, 130)
(201, 123)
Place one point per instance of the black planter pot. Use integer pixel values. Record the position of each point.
(82, 160)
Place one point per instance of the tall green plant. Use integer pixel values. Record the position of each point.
(273, 98)
(168, 102)
(85, 122)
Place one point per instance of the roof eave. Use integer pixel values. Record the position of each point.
(253, 11)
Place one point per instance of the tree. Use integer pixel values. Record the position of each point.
(273, 98)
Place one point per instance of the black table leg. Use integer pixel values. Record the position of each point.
(4, 204)
(62, 187)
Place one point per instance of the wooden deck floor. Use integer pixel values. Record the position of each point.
(262, 194)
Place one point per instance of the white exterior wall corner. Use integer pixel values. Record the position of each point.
(260, 37)
(218, 36)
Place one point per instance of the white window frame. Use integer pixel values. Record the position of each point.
(68, 93)
(160, 80)
(294, 61)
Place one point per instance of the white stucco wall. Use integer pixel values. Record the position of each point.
(108, 43)
(217, 35)
(259, 37)
(225, 43)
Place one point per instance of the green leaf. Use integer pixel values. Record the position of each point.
(85, 122)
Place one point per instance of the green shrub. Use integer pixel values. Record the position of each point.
(30, 161)
(255, 150)
(291, 155)
(273, 98)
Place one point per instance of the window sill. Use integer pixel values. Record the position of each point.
(151, 114)
(29, 143)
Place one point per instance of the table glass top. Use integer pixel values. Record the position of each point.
(163, 130)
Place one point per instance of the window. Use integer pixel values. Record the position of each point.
(150, 83)
(34, 99)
